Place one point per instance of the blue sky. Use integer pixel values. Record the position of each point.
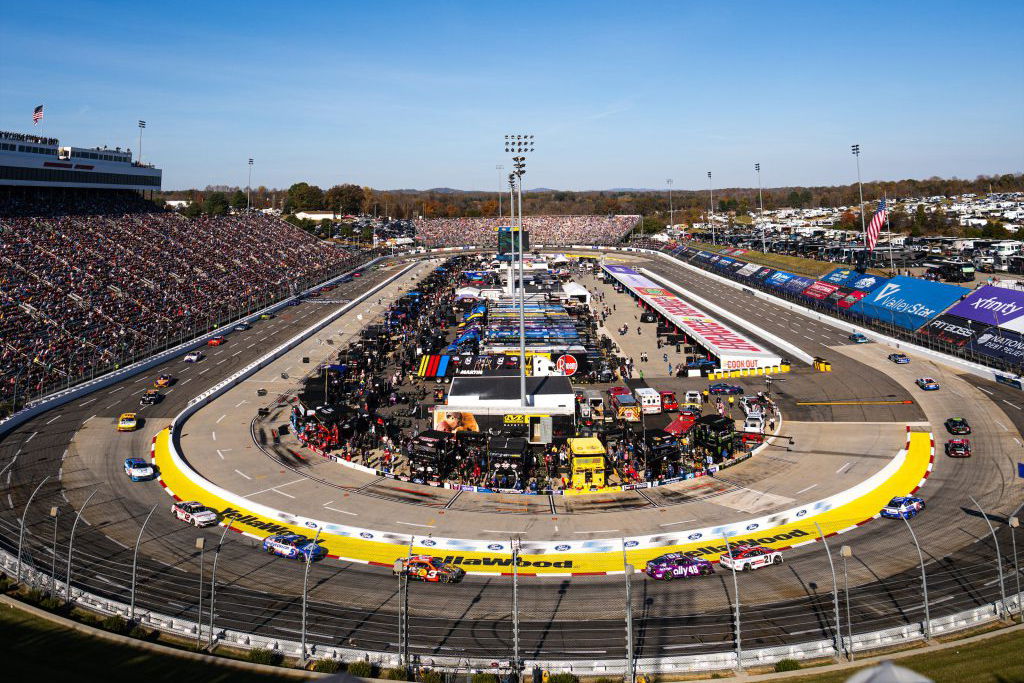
(404, 94)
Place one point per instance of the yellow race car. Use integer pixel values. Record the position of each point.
(128, 422)
(163, 381)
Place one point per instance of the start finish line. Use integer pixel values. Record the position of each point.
(734, 351)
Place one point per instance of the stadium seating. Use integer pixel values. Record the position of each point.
(450, 232)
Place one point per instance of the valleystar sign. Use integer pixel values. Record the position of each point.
(735, 351)
(909, 302)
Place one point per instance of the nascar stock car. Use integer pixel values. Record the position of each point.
(138, 469)
(746, 557)
(193, 356)
(669, 566)
(927, 384)
(194, 513)
(958, 426)
(724, 389)
(215, 341)
(899, 358)
(150, 397)
(903, 507)
(858, 338)
(128, 422)
(428, 568)
(958, 448)
(293, 546)
(163, 381)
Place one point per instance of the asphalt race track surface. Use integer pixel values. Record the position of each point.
(355, 605)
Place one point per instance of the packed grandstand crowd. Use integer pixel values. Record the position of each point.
(92, 280)
(440, 232)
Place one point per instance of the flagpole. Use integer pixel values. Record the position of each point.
(892, 265)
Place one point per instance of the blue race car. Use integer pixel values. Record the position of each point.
(927, 384)
(899, 358)
(903, 507)
(293, 546)
(672, 565)
(858, 338)
(724, 389)
(138, 469)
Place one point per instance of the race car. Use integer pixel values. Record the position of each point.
(899, 358)
(163, 381)
(128, 422)
(927, 384)
(193, 356)
(958, 426)
(357, 274)
(691, 399)
(903, 507)
(724, 389)
(858, 338)
(428, 568)
(746, 557)
(216, 341)
(672, 565)
(958, 448)
(138, 469)
(619, 391)
(242, 327)
(266, 316)
(293, 546)
(194, 513)
(150, 397)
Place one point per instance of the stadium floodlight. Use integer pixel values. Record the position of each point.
(142, 124)
(760, 214)
(499, 168)
(520, 144)
(711, 213)
(248, 188)
(855, 149)
(671, 213)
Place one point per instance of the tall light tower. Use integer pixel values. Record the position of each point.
(760, 203)
(499, 168)
(856, 153)
(711, 213)
(520, 145)
(671, 212)
(248, 188)
(142, 124)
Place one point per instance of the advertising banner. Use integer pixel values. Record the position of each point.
(747, 269)
(909, 302)
(819, 290)
(994, 306)
(998, 343)
(455, 421)
(847, 277)
(725, 261)
(736, 266)
(797, 284)
(779, 278)
(952, 329)
(763, 272)
(850, 299)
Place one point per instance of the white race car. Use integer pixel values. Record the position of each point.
(194, 513)
(193, 356)
(744, 557)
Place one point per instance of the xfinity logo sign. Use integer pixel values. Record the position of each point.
(1007, 308)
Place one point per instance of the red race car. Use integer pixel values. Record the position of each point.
(216, 341)
(428, 568)
(958, 448)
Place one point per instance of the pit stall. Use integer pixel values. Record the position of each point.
(733, 350)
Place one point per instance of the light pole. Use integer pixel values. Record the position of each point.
(305, 588)
(213, 579)
(21, 532)
(924, 583)
(515, 607)
(1014, 522)
(627, 570)
(999, 557)
(711, 212)
(736, 615)
(54, 512)
(248, 188)
(760, 212)
(863, 226)
(499, 168)
(520, 145)
(201, 547)
(135, 565)
(671, 212)
(142, 124)
(835, 591)
(71, 541)
(845, 552)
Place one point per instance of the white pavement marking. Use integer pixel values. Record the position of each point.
(10, 501)
(256, 493)
(806, 489)
(202, 371)
(425, 526)
(680, 522)
(88, 418)
(288, 495)
(31, 436)
(244, 474)
(85, 403)
(240, 403)
(236, 353)
(114, 391)
(186, 381)
(213, 435)
(987, 391)
(53, 419)
(118, 542)
(1011, 404)
(1002, 425)
(843, 467)
(220, 454)
(219, 419)
(344, 512)
(221, 361)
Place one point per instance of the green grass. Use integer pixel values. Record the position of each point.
(995, 660)
(792, 264)
(39, 650)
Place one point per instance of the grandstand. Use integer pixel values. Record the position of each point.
(561, 230)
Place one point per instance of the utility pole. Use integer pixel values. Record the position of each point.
(711, 212)
(248, 188)
(142, 124)
(760, 213)
(671, 212)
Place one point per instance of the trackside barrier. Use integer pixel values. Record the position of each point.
(57, 399)
(863, 643)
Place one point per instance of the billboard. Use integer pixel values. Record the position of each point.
(909, 302)
(763, 273)
(747, 269)
(854, 279)
(779, 278)
(952, 329)
(450, 421)
(819, 290)
(1002, 344)
(797, 284)
(505, 237)
(994, 306)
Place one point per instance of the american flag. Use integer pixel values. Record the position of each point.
(37, 115)
(875, 226)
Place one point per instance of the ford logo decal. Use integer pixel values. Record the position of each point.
(751, 527)
(631, 544)
(495, 546)
(562, 547)
(311, 525)
(429, 543)
(366, 534)
(695, 536)
(801, 513)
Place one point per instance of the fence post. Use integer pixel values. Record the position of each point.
(630, 654)
(516, 669)
(736, 612)
(1014, 522)
(21, 531)
(135, 564)
(213, 579)
(999, 557)
(924, 583)
(835, 592)
(305, 589)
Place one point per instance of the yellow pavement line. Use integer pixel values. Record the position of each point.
(383, 548)
(854, 403)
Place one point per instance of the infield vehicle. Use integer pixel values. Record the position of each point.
(903, 507)
(138, 469)
(675, 565)
(669, 403)
(624, 407)
(428, 568)
(128, 422)
(150, 397)
(958, 448)
(746, 557)
(193, 356)
(648, 399)
(163, 381)
(858, 338)
(294, 547)
(899, 358)
(691, 399)
(723, 389)
(927, 384)
(619, 391)
(216, 341)
(194, 513)
(958, 426)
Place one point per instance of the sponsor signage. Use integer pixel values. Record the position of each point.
(797, 284)
(819, 290)
(839, 276)
(952, 329)
(994, 306)
(1003, 344)
(763, 272)
(567, 365)
(748, 269)
(854, 279)
(850, 299)
(779, 278)
(909, 302)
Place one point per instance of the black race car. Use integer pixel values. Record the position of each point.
(958, 426)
